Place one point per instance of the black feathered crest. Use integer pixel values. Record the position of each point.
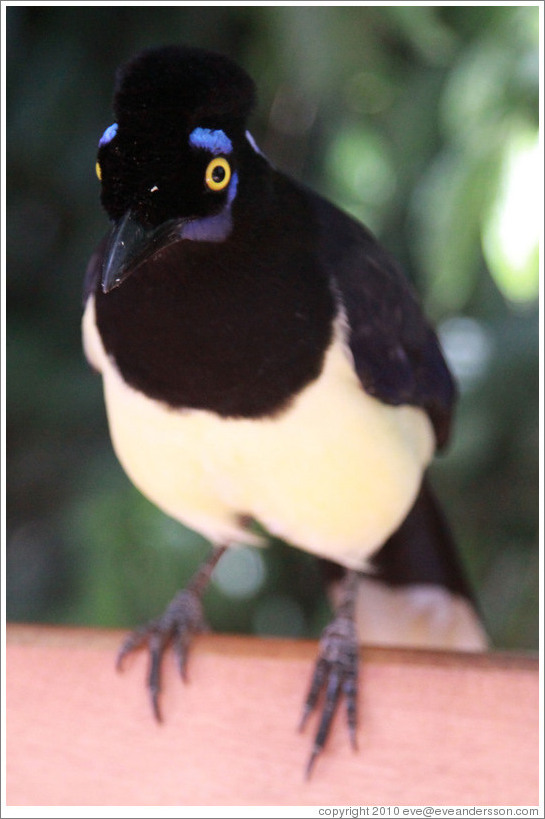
(190, 83)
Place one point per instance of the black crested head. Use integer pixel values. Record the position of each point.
(176, 108)
(189, 83)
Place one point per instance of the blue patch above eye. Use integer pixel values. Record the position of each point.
(217, 142)
(108, 135)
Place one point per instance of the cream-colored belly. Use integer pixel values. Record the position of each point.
(334, 474)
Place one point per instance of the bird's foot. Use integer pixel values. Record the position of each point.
(335, 673)
(181, 621)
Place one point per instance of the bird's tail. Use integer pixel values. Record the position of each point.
(416, 593)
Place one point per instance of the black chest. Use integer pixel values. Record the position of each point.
(238, 327)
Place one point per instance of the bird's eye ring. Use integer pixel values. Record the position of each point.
(98, 171)
(218, 174)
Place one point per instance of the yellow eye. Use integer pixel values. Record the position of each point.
(98, 171)
(218, 174)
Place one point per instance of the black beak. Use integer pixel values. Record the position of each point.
(130, 243)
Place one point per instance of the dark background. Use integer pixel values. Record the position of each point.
(421, 121)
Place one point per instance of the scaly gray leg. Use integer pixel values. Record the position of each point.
(336, 670)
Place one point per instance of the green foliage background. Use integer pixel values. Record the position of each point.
(404, 115)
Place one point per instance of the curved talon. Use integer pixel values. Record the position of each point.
(316, 685)
(306, 713)
(316, 751)
(157, 644)
(181, 649)
(133, 642)
(119, 660)
(124, 650)
(155, 690)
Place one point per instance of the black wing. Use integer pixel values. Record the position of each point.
(396, 353)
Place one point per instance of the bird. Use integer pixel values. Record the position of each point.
(265, 360)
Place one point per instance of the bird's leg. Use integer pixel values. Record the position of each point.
(181, 620)
(336, 670)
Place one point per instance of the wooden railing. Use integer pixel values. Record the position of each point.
(435, 728)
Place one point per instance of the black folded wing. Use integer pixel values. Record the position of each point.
(396, 353)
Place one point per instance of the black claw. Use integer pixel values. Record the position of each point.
(154, 695)
(312, 759)
(124, 650)
(306, 713)
(157, 644)
(181, 648)
(316, 685)
(350, 690)
(133, 642)
(332, 699)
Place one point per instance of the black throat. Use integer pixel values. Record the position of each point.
(237, 327)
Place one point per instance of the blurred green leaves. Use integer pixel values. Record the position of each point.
(362, 177)
(483, 182)
(511, 231)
